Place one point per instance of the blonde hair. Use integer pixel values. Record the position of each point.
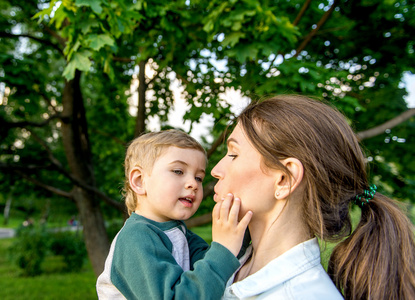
(377, 259)
(144, 150)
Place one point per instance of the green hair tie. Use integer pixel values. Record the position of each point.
(366, 196)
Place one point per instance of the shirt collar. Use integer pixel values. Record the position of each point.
(286, 266)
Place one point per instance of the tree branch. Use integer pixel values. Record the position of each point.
(53, 33)
(23, 124)
(49, 102)
(122, 59)
(42, 41)
(45, 186)
(313, 32)
(150, 80)
(116, 204)
(114, 138)
(221, 139)
(52, 158)
(61, 169)
(301, 13)
(387, 125)
(182, 78)
(26, 167)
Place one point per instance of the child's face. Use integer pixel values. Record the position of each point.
(174, 188)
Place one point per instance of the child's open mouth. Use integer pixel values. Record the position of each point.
(188, 202)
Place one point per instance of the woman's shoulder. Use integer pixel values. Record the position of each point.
(313, 284)
(296, 274)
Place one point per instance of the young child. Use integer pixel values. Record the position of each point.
(154, 256)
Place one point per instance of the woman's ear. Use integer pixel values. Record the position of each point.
(137, 181)
(285, 184)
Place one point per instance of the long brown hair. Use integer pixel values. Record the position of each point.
(377, 259)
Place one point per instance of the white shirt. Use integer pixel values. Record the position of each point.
(296, 274)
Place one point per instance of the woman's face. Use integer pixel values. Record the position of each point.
(240, 173)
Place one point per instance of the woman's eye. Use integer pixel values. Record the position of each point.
(178, 172)
(233, 156)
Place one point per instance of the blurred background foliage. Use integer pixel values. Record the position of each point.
(80, 79)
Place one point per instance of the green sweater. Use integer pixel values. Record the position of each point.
(152, 260)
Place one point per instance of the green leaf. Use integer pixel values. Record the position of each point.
(232, 39)
(79, 61)
(208, 26)
(97, 41)
(236, 26)
(246, 52)
(87, 25)
(94, 4)
(46, 12)
(59, 17)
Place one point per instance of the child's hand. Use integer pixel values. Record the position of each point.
(226, 230)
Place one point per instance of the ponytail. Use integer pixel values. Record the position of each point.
(377, 261)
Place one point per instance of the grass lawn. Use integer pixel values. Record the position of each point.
(205, 232)
(12, 222)
(49, 285)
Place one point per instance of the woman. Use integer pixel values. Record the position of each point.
(297, 165)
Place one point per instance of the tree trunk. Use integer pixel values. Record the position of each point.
(95, 235)
(78, 153)
(140, 124)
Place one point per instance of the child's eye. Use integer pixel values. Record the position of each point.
(178, 172)
(200, 179)
(233, 156)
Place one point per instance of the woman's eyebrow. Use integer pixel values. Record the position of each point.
(232, 140)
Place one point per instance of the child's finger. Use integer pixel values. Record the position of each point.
(216, 210)
(243, 223)
(225, 207)
(234, 212)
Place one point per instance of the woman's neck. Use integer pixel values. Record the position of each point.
(271, 239)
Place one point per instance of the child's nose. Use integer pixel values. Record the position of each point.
(191, 183)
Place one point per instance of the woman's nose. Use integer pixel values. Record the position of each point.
(216, 171)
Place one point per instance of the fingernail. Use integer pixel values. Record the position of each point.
(237, 199)
(230, 194)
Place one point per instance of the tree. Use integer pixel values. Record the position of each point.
(44, 123)
(66, 66)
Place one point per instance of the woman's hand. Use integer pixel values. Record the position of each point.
(226, 229)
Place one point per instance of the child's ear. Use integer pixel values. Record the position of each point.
(284, 184)
(136, 181)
